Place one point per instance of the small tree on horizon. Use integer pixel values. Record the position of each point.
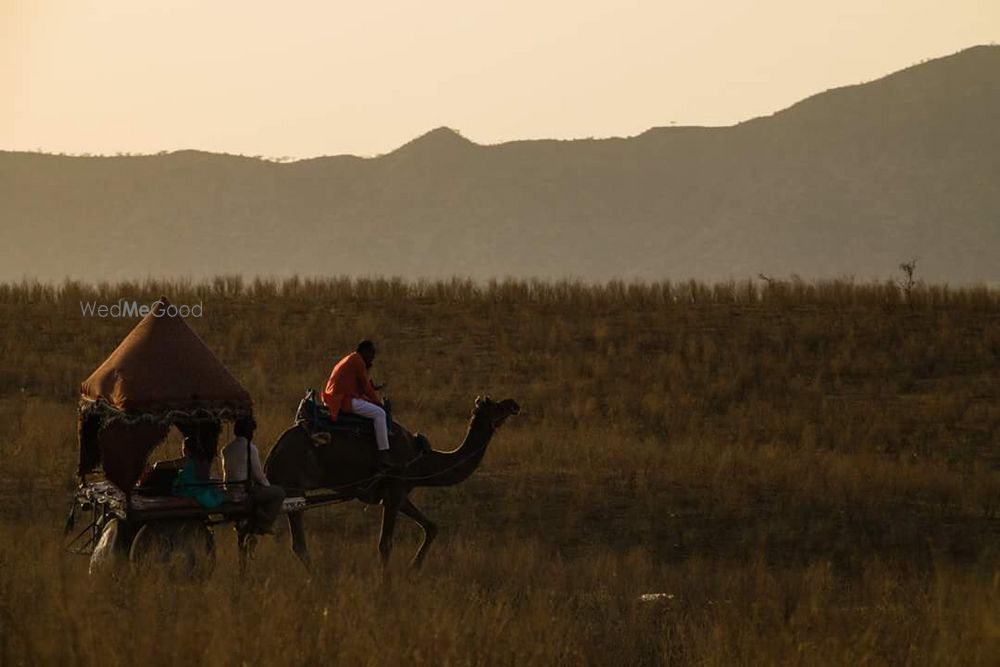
(908, 281)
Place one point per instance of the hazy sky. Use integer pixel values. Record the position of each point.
(297, 78)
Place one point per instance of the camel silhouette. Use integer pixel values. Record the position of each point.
(346, 467)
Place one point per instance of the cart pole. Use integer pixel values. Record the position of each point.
(250, 503)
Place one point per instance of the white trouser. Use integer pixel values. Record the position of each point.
(367, 409)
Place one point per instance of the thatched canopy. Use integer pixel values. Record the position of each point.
(162, 373)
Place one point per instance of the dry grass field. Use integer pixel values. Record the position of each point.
(808, 472)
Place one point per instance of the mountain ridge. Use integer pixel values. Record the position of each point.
(850, 181)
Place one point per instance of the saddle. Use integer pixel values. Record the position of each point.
(314, 416)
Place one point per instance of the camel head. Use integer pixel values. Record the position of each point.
(495, 412)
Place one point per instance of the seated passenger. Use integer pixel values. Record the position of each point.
(267, 498)
(194, 478)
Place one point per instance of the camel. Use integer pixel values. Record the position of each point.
(346, 465)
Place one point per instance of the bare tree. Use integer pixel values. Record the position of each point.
(908, 281)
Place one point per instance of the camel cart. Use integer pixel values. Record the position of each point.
(161, 376)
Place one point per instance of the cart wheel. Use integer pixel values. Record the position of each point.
(112, 551)
(184, 549)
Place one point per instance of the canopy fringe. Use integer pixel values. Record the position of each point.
(109, 414)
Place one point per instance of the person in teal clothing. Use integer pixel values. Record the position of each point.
(191, 480)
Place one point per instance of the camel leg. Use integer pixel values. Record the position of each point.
(430, 530)
(296, 526)
(390, 510)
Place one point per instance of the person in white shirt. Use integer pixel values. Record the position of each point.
(267, 497)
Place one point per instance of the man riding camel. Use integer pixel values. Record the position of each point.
(350, 389)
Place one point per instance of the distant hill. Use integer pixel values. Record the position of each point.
(847, 182)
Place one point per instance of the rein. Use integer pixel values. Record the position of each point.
(494, 425)
(456, 464)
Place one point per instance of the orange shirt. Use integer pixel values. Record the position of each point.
(348, 380)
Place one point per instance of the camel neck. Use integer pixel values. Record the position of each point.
(454, 467)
